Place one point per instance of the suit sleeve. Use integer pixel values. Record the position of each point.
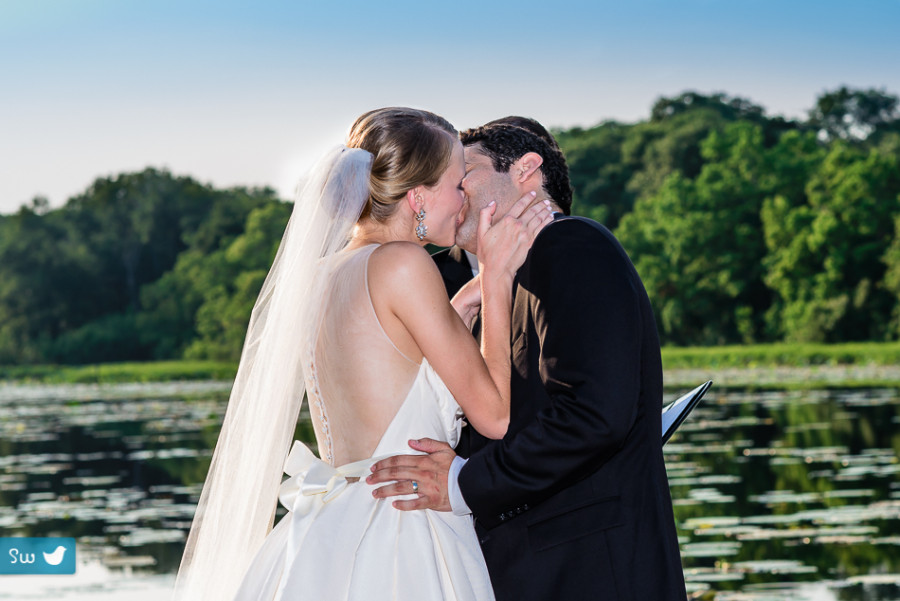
(588, 322)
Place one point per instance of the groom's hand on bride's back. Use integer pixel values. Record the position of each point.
(429, 472)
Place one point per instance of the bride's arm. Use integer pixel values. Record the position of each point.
(467, 301)
(411, 303)
(407, 291)
(497, 304)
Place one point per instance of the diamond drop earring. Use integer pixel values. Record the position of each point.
(421, 228)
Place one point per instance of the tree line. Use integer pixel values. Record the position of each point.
(744, 227)
(140, 266)
(748, 228)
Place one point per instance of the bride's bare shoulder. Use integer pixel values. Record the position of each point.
(400, 257)
(401, 266)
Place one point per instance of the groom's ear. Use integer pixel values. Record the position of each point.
(526, 166)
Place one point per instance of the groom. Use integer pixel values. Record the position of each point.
(573, 503)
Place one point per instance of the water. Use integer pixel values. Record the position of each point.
(790, 495)
(778, 495)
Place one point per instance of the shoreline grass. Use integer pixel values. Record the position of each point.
(150, 371)
(863, 364)
(782, 355)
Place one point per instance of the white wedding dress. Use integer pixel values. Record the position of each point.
(367, 400)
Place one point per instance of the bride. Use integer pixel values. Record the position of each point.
(354, 313)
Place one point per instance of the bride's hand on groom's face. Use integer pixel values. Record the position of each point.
(429, 472)
(503, 244)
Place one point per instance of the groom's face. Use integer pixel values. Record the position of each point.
(481, 185)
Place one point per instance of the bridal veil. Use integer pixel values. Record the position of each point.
(238, 501)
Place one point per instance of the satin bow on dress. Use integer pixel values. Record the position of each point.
(310, 476)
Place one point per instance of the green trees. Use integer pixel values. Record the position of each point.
(698, 244)
(597, 172)
(240, 269)
(41, 269)
(826, 254)
(744, 228)
(230, 252)
(892, 276)
(91, 281)
(846, 114)
(750, 228)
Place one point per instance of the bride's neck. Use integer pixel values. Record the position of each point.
(369, 231)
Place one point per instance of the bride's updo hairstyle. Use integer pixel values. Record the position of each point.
(411, 148)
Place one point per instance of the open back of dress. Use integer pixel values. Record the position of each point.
(356, 378)
(367, 400)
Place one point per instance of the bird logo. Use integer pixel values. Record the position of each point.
(55, 558)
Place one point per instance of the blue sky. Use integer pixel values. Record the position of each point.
(249, 93)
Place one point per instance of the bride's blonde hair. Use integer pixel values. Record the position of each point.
(411, 148)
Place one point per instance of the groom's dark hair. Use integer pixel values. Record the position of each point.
(506, 140)
(529, 124)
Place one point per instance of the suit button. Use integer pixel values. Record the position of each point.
(518, 510)
(502, 517)
(525, 506)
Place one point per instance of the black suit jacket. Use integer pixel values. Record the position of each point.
(454, 267)
(573, 503)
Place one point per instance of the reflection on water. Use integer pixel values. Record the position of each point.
(117, 467)
(790, 495)
(778, 495)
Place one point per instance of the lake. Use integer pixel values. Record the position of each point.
(778, 495)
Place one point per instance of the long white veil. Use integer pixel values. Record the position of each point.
(237, 505)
